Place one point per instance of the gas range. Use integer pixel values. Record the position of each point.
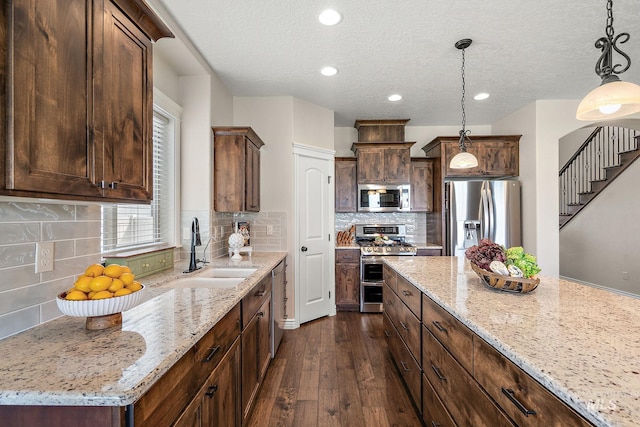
(383, 239)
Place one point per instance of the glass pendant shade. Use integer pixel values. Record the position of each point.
(610, 101)
(463, 160)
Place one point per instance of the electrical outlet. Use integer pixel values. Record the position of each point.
(625, 275)
(269, 229)
(44, 257)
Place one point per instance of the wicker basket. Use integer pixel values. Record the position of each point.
(505, 283)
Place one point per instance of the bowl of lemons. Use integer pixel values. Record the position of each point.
(101, 291)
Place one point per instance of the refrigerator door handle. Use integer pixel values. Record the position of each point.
(491, 214)
(484, 213)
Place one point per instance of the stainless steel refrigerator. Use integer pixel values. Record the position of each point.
(477, 209)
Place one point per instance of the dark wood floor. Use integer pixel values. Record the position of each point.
(335, 371)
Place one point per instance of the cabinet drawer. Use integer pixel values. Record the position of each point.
(391, 303)
(390, 277)
(409, 328)
(254, 299)
(408, 367)
(348, 255)
(433, 411)
(518, 394)
(461, 395)
(410, 295)
(213, 346)
(455, 336)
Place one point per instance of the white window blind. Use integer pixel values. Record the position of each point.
(130, 226)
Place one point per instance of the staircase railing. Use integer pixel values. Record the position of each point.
(599, 151)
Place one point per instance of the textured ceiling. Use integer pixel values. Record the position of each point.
(522, 51)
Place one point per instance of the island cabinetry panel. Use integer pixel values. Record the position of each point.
(498, 155)
(434, 414)
(383, 162)
(526, 401)
(236, 169)
(346, 184)
(422, 185)
(256, 339)
(453, 335)
(348, 279)
(165, 401)
(463, 397)
(407, 365)
(410, 295)
(79, 99)
(390, 277)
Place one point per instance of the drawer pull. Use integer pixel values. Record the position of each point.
(386, 333)
(404, 366)
(437, 371)
(439, 326)
(435, 424)
(260, 293)
(404, 326)
(512, 397)
(212, 390)
(406, 293)
(261, 314)
(214, 350)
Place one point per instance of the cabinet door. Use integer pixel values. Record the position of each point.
(252, 179)
(397, 163)
(422, 185)
(250, 360)
(346, 191)
(50, 147)
(124, 107)
(221, 391)
(371, 165)
(264, 338)
(347, 287)
(450, 149)
(500, 158)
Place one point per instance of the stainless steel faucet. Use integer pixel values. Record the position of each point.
(195, 241)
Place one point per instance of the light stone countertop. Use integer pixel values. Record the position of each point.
(62, 363)
(580, 342)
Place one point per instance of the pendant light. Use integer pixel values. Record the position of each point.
(463, 160)
(613, 98)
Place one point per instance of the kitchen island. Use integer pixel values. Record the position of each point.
(579, 342)
(60, 363)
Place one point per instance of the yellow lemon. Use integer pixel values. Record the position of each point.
(135, 286)
(122, 292)
(76, 296)
(125, 269)
(91, 294)
(94, 270)
(127, 278)
(83, 283)
(115, 285)
(100, 283)
(102, 295)
(112, 270)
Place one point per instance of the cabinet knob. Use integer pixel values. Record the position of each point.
(212, 390)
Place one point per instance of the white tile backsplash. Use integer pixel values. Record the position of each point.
(416, 222)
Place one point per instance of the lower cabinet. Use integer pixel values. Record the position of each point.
(348, 279)
(217, 402)
(256, 339)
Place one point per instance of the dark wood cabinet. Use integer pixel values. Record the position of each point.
(346, 185)
(256, 339)
(498, 155)
(347, 279)
(421, 185)
(78, 123)
(236, 169)
(383, 162)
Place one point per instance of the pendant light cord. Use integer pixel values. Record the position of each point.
(463, 132)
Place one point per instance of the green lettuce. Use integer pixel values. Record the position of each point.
(524, 261)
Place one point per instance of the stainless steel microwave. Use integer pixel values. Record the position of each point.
(383, 198)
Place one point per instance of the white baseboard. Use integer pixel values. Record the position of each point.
(290, 324)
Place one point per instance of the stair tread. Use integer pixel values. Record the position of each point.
(575, 204)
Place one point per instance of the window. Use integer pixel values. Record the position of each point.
(132, 226)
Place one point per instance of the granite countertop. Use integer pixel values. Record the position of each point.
(580, 342)
(62, 363)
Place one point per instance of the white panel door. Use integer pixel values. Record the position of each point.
(314, 200)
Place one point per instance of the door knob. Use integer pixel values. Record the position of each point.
(303, 249)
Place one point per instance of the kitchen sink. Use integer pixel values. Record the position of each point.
(205, 282)
(227, 272)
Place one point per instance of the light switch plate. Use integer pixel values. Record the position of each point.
(44, 257)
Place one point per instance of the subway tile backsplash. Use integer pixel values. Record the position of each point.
(27, 298)
(415, 222)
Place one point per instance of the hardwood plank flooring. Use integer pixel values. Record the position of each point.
(334, 371)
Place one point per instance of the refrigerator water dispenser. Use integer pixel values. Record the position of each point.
(471, 233)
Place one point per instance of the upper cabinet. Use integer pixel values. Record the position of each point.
(421, 184)
(79, 100)
(497, 155)
(346, 191)
(383, 162)
(236, 169)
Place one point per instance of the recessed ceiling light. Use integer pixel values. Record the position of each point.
(329, 17)
(481, 96)
(395, 97)
(329, 71)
